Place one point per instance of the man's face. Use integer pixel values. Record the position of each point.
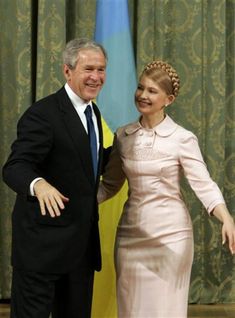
(87, 79)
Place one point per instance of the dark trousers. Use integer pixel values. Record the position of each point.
(36, 295)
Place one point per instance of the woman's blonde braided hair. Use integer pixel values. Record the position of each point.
(168, 69)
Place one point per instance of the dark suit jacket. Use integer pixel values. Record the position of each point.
(52, 143)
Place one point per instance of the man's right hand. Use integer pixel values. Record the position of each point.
(49, 198)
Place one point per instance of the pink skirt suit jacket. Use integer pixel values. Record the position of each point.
(154, 240)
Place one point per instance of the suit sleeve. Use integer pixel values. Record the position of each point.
(28, 152)
(196, 172)
(106, 155)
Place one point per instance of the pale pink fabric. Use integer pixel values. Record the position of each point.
(154, 242)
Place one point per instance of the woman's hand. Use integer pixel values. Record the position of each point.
(228, 234)
(228, 228)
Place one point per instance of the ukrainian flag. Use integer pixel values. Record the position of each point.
(116, 103)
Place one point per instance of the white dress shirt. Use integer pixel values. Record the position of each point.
(80, 107)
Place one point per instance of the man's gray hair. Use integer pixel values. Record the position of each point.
(73, 47)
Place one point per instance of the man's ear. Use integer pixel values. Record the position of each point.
(66, 71)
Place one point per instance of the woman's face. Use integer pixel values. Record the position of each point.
(150, 99)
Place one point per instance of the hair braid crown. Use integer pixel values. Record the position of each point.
(157, 64)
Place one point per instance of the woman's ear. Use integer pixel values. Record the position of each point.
(170, 100)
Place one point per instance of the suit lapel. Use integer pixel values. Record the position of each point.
(77, 132)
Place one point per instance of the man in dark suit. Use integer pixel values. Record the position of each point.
(55, 245)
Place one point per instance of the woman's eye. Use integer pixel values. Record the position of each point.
(153, 91)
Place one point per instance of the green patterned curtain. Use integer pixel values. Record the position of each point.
(198, 38)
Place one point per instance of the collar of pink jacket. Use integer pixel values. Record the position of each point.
(164, 129)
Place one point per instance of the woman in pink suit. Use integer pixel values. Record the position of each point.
(154, 241)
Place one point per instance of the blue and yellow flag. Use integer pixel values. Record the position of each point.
(116, 100)
(116, 103)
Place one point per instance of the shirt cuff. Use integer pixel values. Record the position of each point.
(31, 187)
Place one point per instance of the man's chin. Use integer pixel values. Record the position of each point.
(93, 96)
